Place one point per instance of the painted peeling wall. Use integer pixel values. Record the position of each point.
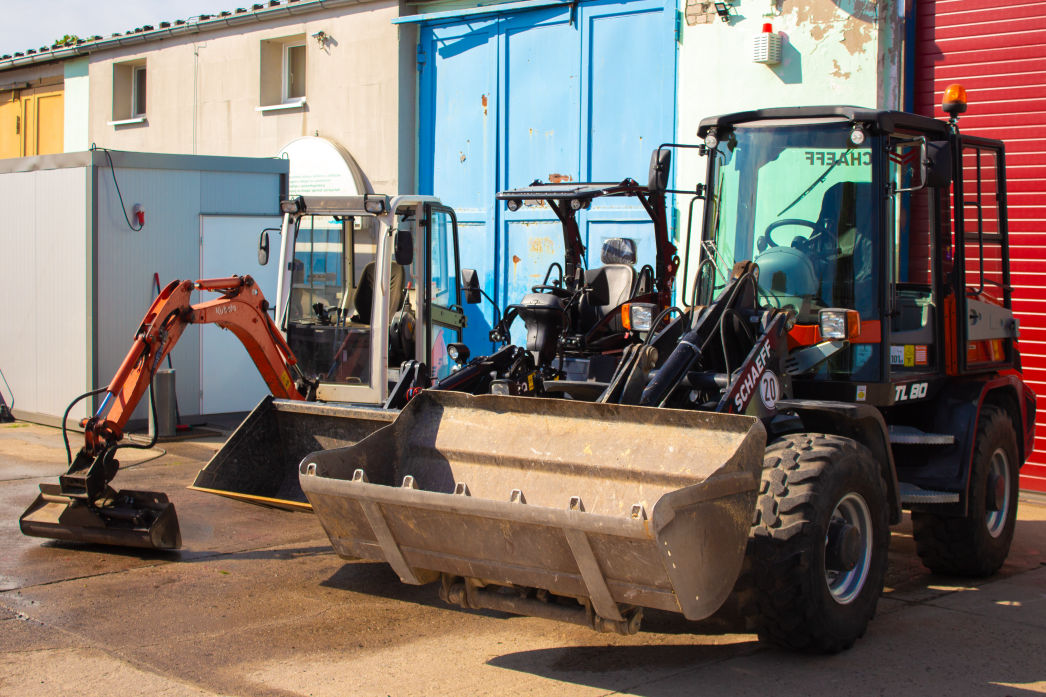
(833, 52)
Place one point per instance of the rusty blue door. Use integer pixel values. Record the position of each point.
(557, 93)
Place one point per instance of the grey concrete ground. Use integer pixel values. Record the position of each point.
(257, 604)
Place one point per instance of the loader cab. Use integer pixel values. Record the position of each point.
(893, 215)
(367, 283)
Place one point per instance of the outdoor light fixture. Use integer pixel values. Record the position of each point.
(723, 10)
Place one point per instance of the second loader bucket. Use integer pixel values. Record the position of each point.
(259, 461)
(618, 507)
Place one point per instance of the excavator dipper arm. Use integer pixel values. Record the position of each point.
(241, 309)
(83, 507)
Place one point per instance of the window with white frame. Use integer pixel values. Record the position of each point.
(138, 91)
(129, 92)
(283, 72)
(293, 72)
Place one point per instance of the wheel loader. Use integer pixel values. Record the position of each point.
(847, 352)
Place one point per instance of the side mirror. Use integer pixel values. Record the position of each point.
(404, 247)
(263, 248)
(939, 170)
(470, 284)
(660, 164)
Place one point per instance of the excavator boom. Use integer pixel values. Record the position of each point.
(83, 506)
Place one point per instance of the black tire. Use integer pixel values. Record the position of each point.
(977, 544)
(809, 481)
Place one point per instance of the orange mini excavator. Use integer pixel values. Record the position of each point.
(82, 506)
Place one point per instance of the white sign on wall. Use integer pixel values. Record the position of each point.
(319, 167)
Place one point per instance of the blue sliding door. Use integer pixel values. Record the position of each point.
(559, 93)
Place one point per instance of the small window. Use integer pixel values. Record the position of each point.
(282, 72)
(129, 92)
(293, 72)
(138, 92)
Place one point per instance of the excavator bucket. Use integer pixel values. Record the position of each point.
(122, 518)
(259, 461)
(509, 499)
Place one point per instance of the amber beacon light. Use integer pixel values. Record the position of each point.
(954, 101)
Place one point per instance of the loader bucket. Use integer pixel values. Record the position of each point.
(123, 518)
(259, 461)
(618, 507)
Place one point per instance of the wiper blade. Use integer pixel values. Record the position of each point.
(810, 188)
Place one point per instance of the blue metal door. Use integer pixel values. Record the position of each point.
(559, 94)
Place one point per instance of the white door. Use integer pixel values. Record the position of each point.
(229, 247)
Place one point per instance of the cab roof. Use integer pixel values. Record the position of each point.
(886, 120)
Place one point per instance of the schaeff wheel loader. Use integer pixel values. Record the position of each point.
(847, 352)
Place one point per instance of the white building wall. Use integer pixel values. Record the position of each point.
(77, 105)
(204, 91)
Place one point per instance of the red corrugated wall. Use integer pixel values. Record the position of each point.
(997, 50)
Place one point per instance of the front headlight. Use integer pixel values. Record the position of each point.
(839, 325)
(638, 317)
(459, 353)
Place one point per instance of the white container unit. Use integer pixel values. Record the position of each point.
(77, 278)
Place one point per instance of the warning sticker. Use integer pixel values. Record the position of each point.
(920, 355)
(909, 355)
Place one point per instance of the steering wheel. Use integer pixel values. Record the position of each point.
(555, 290)
(783, 222)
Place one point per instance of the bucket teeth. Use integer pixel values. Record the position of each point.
(517, 496)
(576, 504)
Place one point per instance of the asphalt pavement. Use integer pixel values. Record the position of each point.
(256, 603)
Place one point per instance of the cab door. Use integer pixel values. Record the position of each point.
(917, 220)
(443, 318)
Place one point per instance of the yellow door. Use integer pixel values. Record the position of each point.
(44, 118)
(10, 125)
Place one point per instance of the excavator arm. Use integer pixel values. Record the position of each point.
(83, 507)
(242, 309)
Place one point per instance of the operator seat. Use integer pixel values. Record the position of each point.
(362, 301)
(611, 284)
(845, 251)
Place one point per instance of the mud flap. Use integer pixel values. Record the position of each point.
(616, 506)
(259, 461)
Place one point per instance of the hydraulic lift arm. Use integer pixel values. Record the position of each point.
(83, 507)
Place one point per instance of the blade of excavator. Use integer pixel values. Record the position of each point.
(121, 518)
(616, 506)
(259, 461)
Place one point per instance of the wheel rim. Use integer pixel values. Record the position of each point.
(999, 470)
(852, 510)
